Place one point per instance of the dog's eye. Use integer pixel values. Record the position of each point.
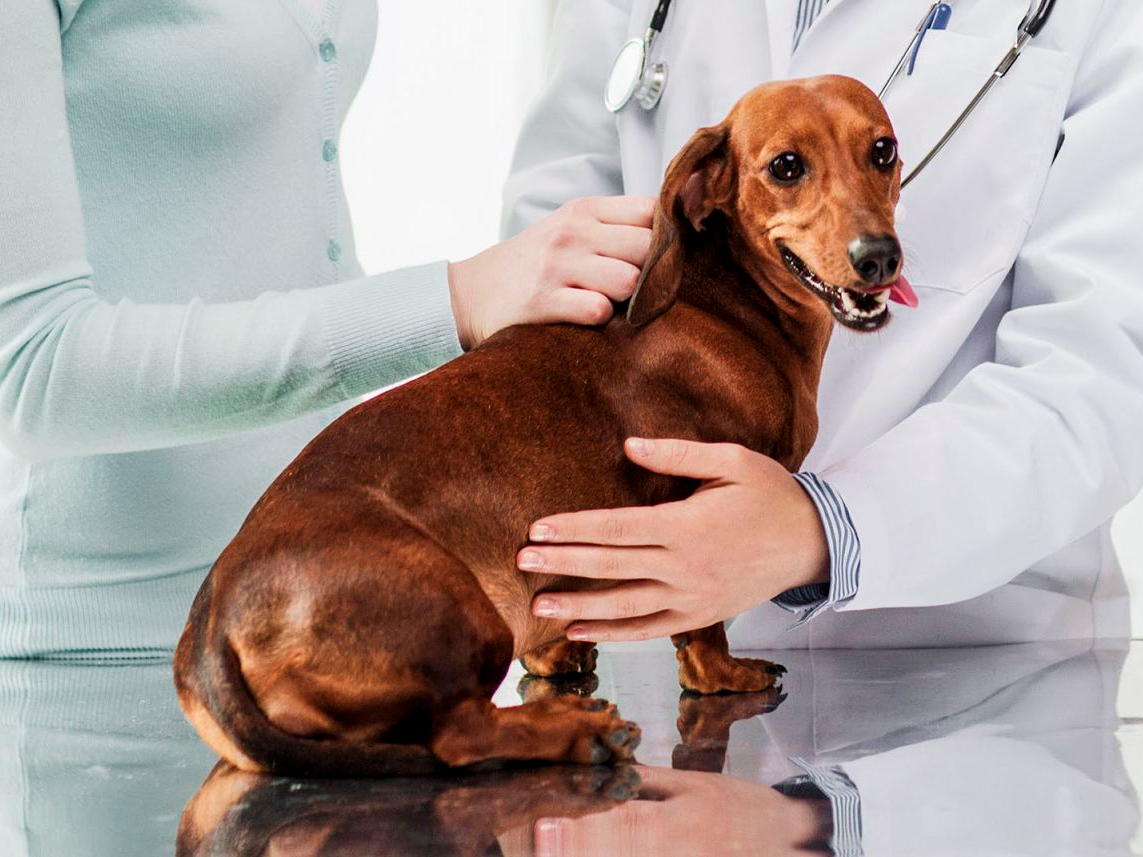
(787, 167)
(884, 153)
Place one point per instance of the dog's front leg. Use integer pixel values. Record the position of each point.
(706, 665)
(561, 658)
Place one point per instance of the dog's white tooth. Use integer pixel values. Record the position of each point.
(848, 302)
(882, 297)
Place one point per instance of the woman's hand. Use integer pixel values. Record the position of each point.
(748, 534)
(568, 267)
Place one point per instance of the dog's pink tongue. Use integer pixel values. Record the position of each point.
(901, 292)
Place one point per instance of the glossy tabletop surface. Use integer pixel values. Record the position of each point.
(991, 751)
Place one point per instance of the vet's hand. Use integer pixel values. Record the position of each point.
(568, 267)
(748, 534)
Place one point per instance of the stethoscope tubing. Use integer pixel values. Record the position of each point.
(1030, 27)
(1032, 24)
(659, 19)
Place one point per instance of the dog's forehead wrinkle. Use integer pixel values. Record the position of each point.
(774, 142)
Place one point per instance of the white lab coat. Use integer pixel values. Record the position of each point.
(983, 441)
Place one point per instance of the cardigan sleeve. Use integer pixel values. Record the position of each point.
(82, 375)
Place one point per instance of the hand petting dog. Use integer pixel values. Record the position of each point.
(568, 267)
(748, 534)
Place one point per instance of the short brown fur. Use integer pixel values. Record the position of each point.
(369, 606)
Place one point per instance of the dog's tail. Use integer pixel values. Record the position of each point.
(211, 676)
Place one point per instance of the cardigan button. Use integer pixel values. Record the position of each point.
(333, 251)
(329, 151)
(327, 50)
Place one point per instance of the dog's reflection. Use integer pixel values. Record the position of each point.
(244, 815)
(704, 726)
(542, 810)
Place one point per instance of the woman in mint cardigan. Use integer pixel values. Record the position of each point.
(181, 308)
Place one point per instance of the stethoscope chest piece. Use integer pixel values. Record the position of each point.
(632, 80)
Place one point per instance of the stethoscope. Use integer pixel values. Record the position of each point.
(633, 80)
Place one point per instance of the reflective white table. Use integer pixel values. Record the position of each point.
(990, 751)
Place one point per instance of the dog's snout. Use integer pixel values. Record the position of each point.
(876, 260)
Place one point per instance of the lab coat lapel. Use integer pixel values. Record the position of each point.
(841, 41)
(829, 9)
(781, 19)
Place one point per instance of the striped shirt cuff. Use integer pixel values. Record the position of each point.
(845, 801)
(844, 555)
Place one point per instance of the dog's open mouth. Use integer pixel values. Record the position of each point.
(854, 308)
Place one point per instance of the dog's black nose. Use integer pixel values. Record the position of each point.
(876, 260)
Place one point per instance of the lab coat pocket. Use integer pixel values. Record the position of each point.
(968, 212)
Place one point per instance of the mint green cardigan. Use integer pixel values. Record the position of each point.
(181, 309)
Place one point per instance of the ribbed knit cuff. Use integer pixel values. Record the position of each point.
(136, 620)
(389, 327)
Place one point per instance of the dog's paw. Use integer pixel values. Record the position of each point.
(615, 743)
(561, 659)
(728, 675)
(601, 735)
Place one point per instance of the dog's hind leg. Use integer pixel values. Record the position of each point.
(561, 658)
(706, 665)
(336, 656)
(573, 729)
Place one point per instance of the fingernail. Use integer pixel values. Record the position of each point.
(530, 561)
(577, 634)
(641, 446)
(541, 533)
(548, 837)
(546, 608)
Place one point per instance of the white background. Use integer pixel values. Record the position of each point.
(428, 144)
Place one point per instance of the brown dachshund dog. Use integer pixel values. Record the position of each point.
(369, 606)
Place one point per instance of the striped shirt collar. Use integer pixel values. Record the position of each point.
(808, 11)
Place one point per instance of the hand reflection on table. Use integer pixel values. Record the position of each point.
(692, 813)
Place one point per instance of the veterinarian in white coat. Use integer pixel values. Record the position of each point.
(981, 442)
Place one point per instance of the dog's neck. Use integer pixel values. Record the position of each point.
(724, 278)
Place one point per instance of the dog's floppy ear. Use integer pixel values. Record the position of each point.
(699, 180)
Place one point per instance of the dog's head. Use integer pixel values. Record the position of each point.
(807, 176)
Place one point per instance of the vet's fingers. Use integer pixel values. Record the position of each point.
(622, 210)
(578, 306)
(602, 563)
(687, 458)
(646, 526)
(633, 827)
(661, 624)
(611, 277)
(625, 601)
(630, 244)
